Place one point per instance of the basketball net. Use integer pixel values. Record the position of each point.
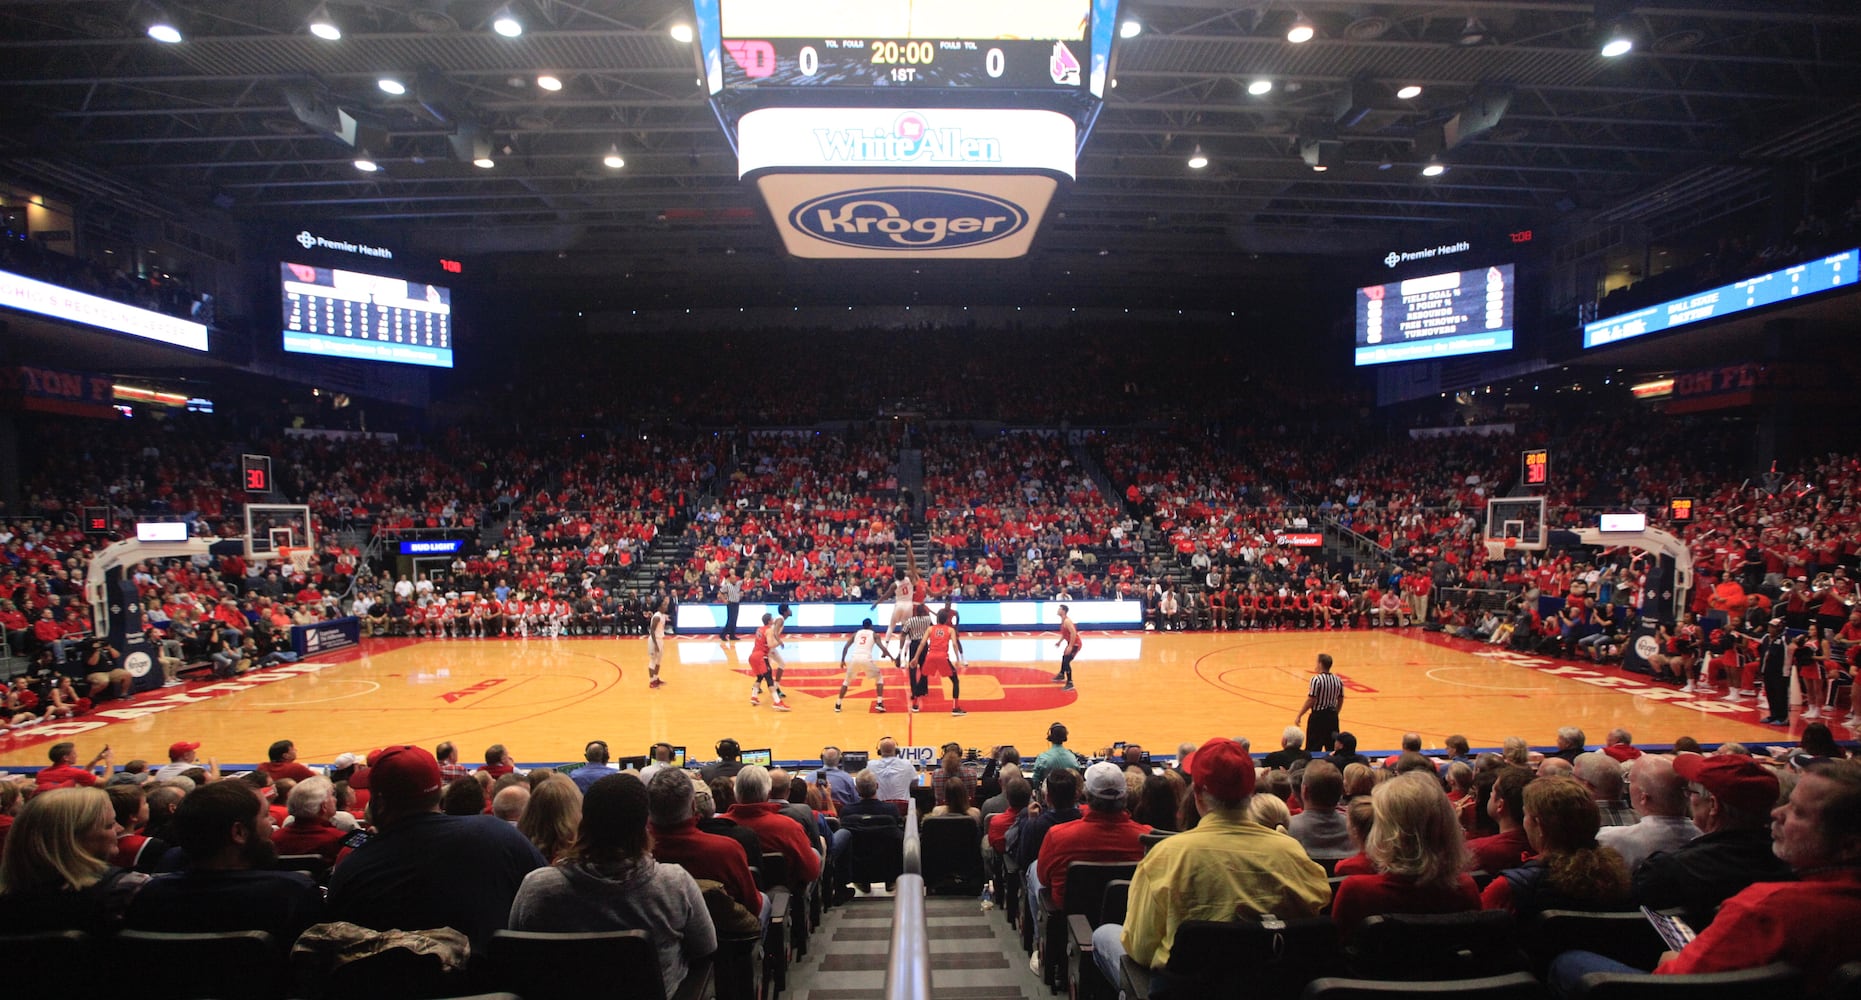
(299, 558)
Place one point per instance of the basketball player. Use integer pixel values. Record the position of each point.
(937, 658)
(656, 645)
(905, 583)
(1070, 641)
(860, 646)
(760, 666)
(776, 628)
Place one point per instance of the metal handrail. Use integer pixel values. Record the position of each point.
(907, 968)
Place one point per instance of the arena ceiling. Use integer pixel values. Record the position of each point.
(1717, 102)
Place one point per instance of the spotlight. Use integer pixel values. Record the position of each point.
(1319, 168)
(365, 163)
(1301, 31)
(1260, 87)
(323, 26)
(613, 160)
(1198, 159)
(163, 31)
(484, 163)
(1619, 44)
(506, 24)
(1409, 93)
(390, 85)
(1130, 28)
(1433, 170)
(549, 83)
(681, 33)
(1473, 33)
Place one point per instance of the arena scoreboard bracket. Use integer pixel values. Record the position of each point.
(895, 129)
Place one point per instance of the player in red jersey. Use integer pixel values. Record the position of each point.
(761, 667)
(1070, 642)
(937, 658)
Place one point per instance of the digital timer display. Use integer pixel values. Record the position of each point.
(1680, 509)
(255, 470)
(1536, 467)
(1028, 44)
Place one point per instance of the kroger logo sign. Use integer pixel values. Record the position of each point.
(906, 219)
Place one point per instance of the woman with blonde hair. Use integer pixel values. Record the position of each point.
(555, 810)
(1269, 811)
(1571, 871)
(1419, 852)
(56, 873)
(1359, 779)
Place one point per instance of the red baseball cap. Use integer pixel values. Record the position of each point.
(1737, 781)
(399, 772)
(1222, 769)
(177, 749)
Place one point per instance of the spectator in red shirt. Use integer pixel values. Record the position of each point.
(1506, 806)
(774, 831)
(498, 762)
(312, 828)
(1105, 833)
(1416, 844)
(283, 763)
(677, 840)
(64, 772)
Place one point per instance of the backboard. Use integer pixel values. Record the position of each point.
(272, 529)
(1514, 523)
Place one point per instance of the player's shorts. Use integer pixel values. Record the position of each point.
(901, 610)
(759, 664)
(937, 666)
(853, 666)
(654, 650)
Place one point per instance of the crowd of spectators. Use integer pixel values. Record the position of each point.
(152, 289)
(1757, 852)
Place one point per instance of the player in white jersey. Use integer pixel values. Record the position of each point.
(655, 644)
(905, 583)
(857, 653)
(776, 625)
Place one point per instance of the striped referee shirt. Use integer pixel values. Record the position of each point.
(1327, 692)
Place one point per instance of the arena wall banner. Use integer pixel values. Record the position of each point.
(984, 616)
(324, 637)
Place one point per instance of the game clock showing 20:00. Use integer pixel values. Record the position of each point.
(1027, 44)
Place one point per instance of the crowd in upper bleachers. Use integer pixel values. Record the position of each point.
(154, 290)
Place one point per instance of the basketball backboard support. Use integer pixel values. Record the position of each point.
(274, 529)
(1514, 523)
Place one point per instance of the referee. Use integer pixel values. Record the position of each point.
(1323, 699)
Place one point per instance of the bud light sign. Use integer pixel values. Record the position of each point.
(907, 219)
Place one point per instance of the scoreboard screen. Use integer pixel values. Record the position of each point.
(1021, 45)
(365, 317)
(1535, 467)
(1435, 316)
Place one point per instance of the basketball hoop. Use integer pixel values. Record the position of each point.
(300, 558)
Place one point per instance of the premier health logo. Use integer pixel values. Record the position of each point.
(305, 240)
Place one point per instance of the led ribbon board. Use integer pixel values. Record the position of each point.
(1834, 271)
(28, 295)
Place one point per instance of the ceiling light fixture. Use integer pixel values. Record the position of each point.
(1619, 44)
(613, 160)
(390, 85)
(1409, 93)
(323, 26)
(1301, 31)
(681, 33)
(164, 32)
(365, 163)
(1198, 159)
(484, 163)
(549, 83)
(1131, 27)
(1433, 170)
(506, 24)
(1260, 87)
(1473, 33)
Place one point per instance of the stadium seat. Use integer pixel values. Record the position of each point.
(1845, 984)
(1084, 899)
(1626, 937)
(1153, 838)
(312, 865)
(1779, 980)
(51, 963)
(873, 854)
(1082, 968)
(1513, 986)
(232, 965)
(1413, 946)
(588, 966)
(1242, 960)
(952, 855)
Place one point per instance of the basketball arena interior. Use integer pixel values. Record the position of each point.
(1361, 498)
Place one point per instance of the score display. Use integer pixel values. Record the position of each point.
(1680, 509)
(1435, 316)
(365, 317)
(1782, 285)
(1024, 45)
(1535, 467)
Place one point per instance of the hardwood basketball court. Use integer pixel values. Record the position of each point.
(544, 698)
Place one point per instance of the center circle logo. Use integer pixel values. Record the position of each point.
(137, 664)
(909, 219)
(1646, 647)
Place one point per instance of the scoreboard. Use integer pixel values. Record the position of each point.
(1051, 45)
(1535, 467)
(1435, 316)
(366, 317)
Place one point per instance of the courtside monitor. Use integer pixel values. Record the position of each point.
(1829, 273)
(854, 761)
(764, 757)
(1435, 316)
(365, 317)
